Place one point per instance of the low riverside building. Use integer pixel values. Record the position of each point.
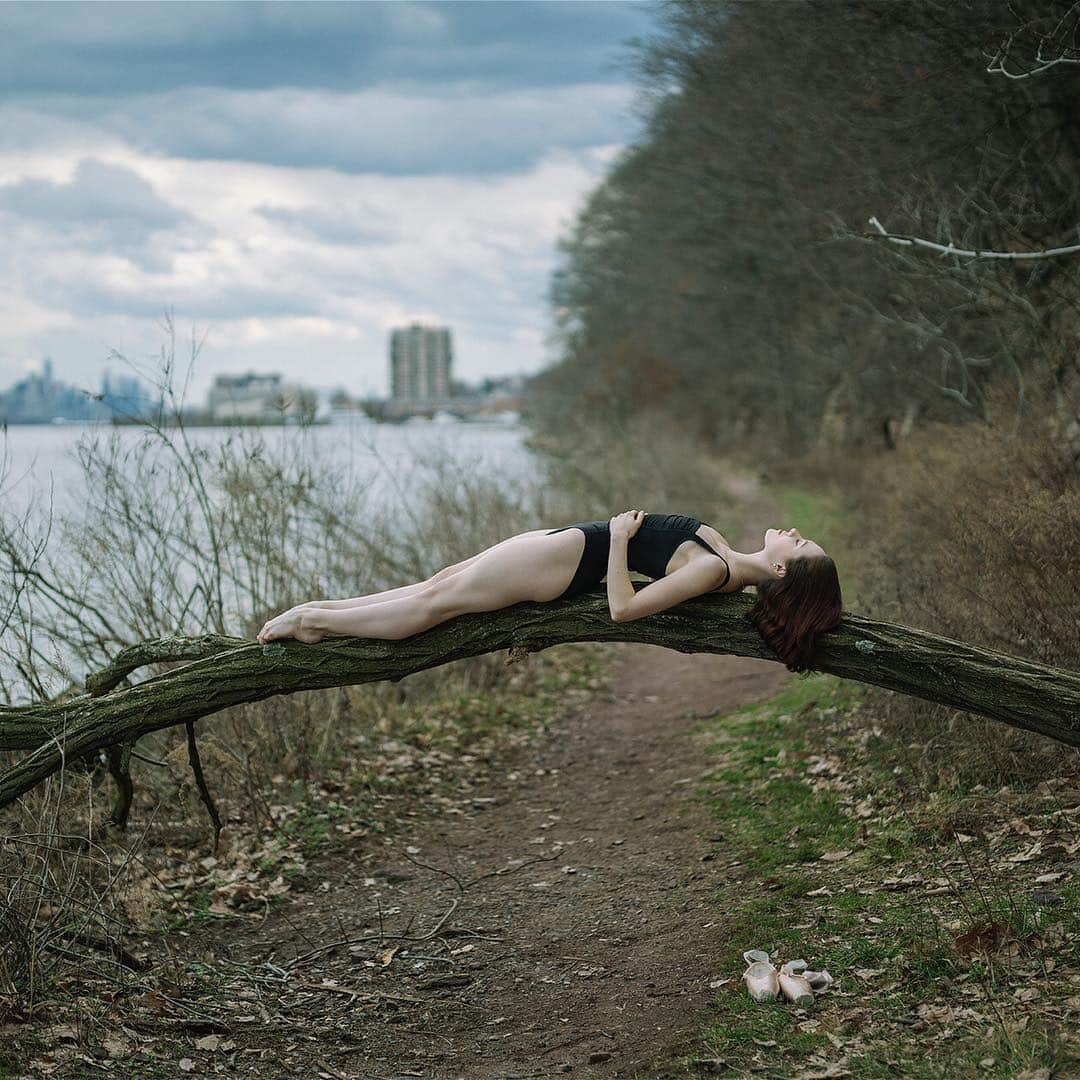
(257, 397)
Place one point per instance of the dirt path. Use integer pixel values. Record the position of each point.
(569, 897)
(590, 952)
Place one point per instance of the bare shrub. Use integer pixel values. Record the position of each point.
(972, 532)
(173, 534)
(61, 904)
(650, 464)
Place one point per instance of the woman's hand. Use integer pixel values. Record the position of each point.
(626, 524)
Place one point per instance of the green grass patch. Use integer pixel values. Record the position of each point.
(829, 519)
(804, 808)
(814, 513)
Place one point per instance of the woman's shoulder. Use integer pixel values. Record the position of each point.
(730, 586)
(716, 537)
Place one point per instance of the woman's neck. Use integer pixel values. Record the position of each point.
(749, 569)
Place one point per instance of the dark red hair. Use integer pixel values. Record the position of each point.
(791, 611)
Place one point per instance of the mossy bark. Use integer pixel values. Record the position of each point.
(230, 671)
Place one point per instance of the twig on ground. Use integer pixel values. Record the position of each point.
(303, 958)
(353, 993)
(513, 869)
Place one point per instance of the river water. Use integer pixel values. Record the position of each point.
(35, 458)
(41, 476)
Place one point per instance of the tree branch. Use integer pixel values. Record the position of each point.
(200, 782)
(157, 651)
(950, 249)
(1019, 692)
(1058, 38)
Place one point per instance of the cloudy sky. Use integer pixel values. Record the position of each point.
(293, 179)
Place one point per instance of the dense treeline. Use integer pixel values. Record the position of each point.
(722, 274)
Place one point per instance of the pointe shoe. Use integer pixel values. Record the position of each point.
(761, 978)
(819, 981)
(795, 987)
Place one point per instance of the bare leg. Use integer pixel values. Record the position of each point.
(356, 601)
(524, 567)
(411, 590)
(390, 620)
(389, 594)
(287, 623)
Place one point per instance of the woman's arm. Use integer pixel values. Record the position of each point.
(697, 577)
(621, 529)
(620, 592)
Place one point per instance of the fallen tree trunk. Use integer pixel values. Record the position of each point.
(233, 671)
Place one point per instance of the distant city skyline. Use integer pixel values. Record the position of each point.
(39, 397)
(327, 171)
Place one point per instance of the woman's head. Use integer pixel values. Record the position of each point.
(782, 545)
(799, 600)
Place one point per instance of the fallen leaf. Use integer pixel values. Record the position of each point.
(823, 891)
(1032, 852)
(827, 1073)
(115, 1046)
(984, 938)
(835, 856)
(1014, 1027)
(893, 883)
(187, 1065)
(208, 1042)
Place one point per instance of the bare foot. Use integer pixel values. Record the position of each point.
(289, 624)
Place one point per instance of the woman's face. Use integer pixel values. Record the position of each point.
(782, 545)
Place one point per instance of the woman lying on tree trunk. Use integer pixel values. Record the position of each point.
(798, 591)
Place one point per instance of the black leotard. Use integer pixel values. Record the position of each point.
(649, 551)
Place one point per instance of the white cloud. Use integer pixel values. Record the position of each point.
(296, 178)
(473, 252)
(454, 128)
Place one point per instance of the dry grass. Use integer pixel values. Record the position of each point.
(972, 533)
(172, 537)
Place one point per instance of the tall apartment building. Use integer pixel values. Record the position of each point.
(420, 360)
